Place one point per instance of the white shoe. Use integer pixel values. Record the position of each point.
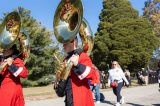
(118, 104)
(97, 102)
(122, 100)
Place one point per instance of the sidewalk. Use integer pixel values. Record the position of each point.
(46, 92)
(134, 96)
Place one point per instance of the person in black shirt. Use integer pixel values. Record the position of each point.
(158, 73)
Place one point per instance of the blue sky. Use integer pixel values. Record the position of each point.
(43, 10)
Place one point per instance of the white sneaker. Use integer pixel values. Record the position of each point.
(122, 100)
(118, 104)
(97, 102)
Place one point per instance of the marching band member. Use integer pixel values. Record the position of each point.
(78, 92)
(11, 88)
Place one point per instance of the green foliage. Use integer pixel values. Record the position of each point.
(152, 13)
(28, 83)
(45, 80)
(40, 62)
(153, 64)
(114, 10)
(123, 36)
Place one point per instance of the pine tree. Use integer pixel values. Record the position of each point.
(41, 62)
(122, 36)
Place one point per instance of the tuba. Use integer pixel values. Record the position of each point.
(68, 22)
(10, 34)
(24, 45)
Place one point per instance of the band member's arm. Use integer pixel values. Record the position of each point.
(83, 69)
(17, 68)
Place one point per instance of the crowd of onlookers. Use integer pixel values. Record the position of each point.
(146, 77)
(143, 77)
(117, 78)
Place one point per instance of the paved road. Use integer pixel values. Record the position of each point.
(136, 96)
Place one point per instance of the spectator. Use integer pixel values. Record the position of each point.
(103, 80)
(128, 76)
(140, 78)
(95, 85)
(115, 80)
(145, 75)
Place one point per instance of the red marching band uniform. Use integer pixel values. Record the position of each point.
(11, 93)
(80, 76)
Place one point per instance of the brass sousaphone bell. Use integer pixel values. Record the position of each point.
(9, 30)
(12, 33)
(67, 20)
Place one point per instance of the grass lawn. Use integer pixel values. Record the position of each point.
(34, 93)
(46, 92)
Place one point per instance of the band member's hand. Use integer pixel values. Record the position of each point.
(61, 66)
(9, 61)
(74, 59)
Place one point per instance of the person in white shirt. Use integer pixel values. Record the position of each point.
(115, 80)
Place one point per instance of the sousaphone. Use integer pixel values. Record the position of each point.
(11, 33)
(68, 22)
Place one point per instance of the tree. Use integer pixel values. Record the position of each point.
(40, 62)
(122, 36)
(152, 13)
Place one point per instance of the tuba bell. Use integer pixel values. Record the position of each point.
(86, 36)
(68, 22)
(9, 30)
(10, 34)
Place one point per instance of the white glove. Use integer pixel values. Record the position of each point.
(9, 61)
(74, 59)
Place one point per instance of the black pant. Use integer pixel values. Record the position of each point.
(69, 98)
(68, 92)
(117, 91)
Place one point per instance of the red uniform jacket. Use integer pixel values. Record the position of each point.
(11, 89)
(97, 80)
(80, 75)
